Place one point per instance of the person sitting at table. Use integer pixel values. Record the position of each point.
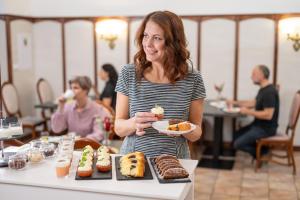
(108, 96)
(264, 108)
(80, 115)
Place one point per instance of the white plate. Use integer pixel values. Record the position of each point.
(232, 110)
(218, 104)
(54, 139)
(162, 127)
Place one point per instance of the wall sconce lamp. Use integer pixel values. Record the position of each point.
(110, 30)
(291, 27)
(296, 39)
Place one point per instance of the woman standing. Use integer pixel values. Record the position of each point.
(160, 75)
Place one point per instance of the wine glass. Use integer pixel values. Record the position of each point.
(107, 126)
(219, 88)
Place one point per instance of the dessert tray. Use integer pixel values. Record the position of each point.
(96, 175)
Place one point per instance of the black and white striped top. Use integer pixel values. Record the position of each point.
(174, 98)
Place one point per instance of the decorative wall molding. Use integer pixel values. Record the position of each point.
(198, 18)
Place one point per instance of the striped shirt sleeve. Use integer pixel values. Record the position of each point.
(122, 84)
(198, 88)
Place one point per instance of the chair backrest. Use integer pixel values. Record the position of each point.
(44, 91)
(10, 99)
(82, 142)
(294, 113)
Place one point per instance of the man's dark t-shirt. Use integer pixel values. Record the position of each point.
(268, 97)
(109, 92)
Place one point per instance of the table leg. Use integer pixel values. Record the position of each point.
(216, 162)
(218, 137)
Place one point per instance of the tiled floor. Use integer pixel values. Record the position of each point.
(272, 182)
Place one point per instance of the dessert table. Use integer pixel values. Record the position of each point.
(39, 181)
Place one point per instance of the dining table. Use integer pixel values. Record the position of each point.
(46, 106)
(217, 160)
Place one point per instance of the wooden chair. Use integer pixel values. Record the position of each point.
(82, 142)
(12, 108)
(282, 141)
(46, 95)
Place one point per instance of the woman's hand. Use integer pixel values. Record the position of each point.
(61, 103)
(143, 120)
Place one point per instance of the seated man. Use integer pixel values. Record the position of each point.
(81, 115)
(265, 112)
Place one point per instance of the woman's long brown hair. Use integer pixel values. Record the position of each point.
(176, 53)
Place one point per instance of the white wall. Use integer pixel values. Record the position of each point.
(217, 55)
(288, 79)
(191, 28)
(134, 25)
(141, 7)
(23, 79)
(20, 7)
(256, 47)
(217, 63)
(3, 53)
(48, 61)
(117, 56)
(79, 49)
(3, 56)
(217, 47)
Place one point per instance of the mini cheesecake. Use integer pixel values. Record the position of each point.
(103, 149)
(103, 165)
(84, 169)
(158, 111)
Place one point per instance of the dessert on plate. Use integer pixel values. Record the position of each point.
(181, 126)
(86, 162)
(158, 111)
(103, 163)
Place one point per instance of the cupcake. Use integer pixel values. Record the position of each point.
(103, 165)
(84, 169)
(103, 149)
(158, 111)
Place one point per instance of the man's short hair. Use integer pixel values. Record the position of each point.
(265, 70)
(83, 81)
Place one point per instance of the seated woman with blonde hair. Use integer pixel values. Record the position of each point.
(81, 115)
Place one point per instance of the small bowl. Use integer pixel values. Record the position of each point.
(48, 149)
(17, 162)
(35, 155)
